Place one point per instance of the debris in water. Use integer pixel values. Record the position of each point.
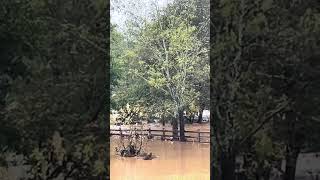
(148, 157)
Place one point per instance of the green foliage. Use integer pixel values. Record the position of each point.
(54, 72)
(264, 147)
(54, 160)
(170, 50)
(131, 114)
(260, 56)
(166, 66)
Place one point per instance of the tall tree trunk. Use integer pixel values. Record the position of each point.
(181, 122)
(291, 162)
(200, 116)
(228, 165)
(262, 172)
(163, 122)
(259, 171)
(266, 174)
(175, 135)
(292, 149)
(192, 118)
(215, 167)
(200, 113)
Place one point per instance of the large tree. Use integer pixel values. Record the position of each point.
(168, 62)
(168, 51)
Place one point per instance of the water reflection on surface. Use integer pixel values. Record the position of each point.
(175, 161)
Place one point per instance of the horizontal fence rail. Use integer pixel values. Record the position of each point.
(164, 134)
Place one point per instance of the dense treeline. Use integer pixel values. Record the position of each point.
(53, 76)
(265, 80)
(264, 67)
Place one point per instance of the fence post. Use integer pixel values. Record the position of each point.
(199, 136)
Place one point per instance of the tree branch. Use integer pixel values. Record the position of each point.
(265, 120)
(93, 44)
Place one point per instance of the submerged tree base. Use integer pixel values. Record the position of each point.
(134, 144)
(130, 151)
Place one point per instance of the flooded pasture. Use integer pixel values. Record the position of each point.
(174, 161)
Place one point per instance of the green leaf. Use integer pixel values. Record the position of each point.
(266, 4)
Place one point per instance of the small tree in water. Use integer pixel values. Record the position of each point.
(134, 142)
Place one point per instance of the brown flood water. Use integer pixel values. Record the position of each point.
(174, 161)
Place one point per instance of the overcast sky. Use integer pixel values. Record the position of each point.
(141, 8)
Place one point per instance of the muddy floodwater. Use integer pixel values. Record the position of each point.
(174, 161)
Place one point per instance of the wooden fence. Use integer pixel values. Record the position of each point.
(193, 136)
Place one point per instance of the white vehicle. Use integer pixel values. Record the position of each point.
(205, 116)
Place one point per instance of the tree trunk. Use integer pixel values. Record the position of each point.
(262, 172)
(258, 173)
(192, 118)
(291, 161)
(228, 166)
(200, 114)
(292, 149)
(266, 174)
(200, 117)
(175, 135)
(163, 122)
(181, 122)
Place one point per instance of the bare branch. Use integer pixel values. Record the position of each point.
(266, 119)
